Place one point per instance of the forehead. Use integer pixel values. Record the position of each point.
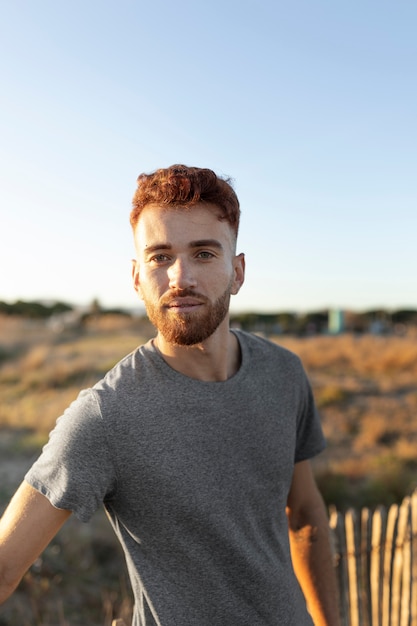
(178, 226)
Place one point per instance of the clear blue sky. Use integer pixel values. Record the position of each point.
(311, 107)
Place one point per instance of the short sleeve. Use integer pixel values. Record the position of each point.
(75, 470)
(310, 438)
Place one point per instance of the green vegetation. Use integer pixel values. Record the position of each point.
(34, 310)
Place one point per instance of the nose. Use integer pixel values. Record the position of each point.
(181, 275)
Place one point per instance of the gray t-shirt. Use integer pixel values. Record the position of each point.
(194, 477)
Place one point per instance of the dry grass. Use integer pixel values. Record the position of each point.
(366, 390)
(364, 355)
(40, 378)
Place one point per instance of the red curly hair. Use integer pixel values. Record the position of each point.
(179, 185)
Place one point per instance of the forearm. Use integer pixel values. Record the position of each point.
(313, 565)
(6, 586)
(26, 528)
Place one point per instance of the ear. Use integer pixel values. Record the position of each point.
(239, 273)
(135, 277)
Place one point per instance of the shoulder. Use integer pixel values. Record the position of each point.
(128, 384)
(267, 351)
(128, 371)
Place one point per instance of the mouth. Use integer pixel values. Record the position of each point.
(183, 305)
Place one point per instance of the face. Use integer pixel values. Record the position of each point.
(186, 270)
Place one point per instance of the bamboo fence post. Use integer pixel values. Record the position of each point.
(337, 527)
(364, 565)
(387, 563)
(405, 610)
(377, 552)
(413, 590)
(353, 574)
(376, 564)
(398, 563)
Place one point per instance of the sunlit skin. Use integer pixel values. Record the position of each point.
(185, 272)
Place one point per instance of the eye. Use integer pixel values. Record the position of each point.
(159, 258)
(204, 254)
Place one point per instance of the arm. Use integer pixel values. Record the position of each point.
(310, 547)
(28, 525)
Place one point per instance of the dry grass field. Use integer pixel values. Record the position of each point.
(365, 388)
(366, 391)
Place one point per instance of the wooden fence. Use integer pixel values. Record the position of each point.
(376, 562)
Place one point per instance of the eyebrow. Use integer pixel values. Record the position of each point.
(199, 243)
(206, 243)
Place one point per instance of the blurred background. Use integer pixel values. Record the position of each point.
(310, 108)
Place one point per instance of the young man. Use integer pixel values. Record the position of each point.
(197, 444)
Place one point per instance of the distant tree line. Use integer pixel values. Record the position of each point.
(378, 320)
(34, 310)
(281, 323)
(45, 310)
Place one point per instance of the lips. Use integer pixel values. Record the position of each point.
(181, 303)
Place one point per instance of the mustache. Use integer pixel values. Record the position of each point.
(176, 294)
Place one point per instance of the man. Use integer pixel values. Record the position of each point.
(198, 443)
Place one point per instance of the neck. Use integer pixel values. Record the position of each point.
(215, 359)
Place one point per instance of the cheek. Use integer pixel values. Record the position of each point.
(152, 283)
(221, 280)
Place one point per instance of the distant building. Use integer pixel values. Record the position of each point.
(336, 321)
(68, 320)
